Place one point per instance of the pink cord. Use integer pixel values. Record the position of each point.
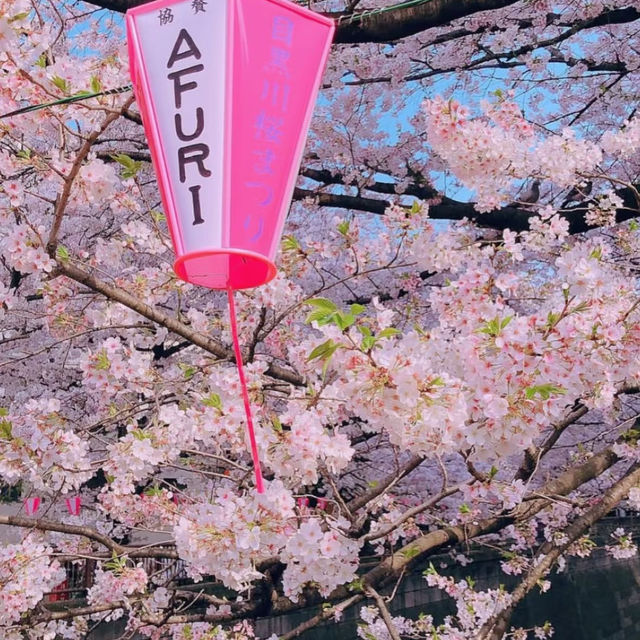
(245, 393)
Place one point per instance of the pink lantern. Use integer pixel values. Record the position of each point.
(31, 506)
(226, 90)
(73, 505)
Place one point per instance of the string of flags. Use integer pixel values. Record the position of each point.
(32, 505)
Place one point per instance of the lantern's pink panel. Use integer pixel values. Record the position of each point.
(279, 54)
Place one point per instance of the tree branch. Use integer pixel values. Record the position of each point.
(155, 315)
(424, 546)
(87, 532)
(495, 628)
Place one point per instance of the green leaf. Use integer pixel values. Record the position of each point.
(495, 326)
(356, 585)
(42, 60)
(187, 370)
(323, 311)
(102, 360)
(139, 434)
(553, 319)
(95, 84)
(544, 391)
(505, 321)
(324, 350)
(368, 342)
(61, 83)
(5, 430)
(343, 320)
(415, 207)
(364, 330)
(19, 16)
(596, 254)
(388, 332)
(634, 226)
(213, 400)
(277, 425)
(25, 154)
(343, 227)
(409, 553)
(116, 564)
(357, 309)
(130, 166)
(157, 216)
(62, 253)
(631, 435)
(289, 243)
(430, 570)
(493, 472)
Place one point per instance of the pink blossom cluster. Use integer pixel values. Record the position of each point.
(25, 251)
(26, 574)
(474, 608)
(324, 556)
(624, 546)
(115, 368)
(226, 537)
(154, 508)
(97, 181)
(117, 587)
(487, 154)
(38, 446)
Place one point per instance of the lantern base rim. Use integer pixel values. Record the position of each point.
(225, 268)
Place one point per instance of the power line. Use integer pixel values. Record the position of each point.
(76, 98)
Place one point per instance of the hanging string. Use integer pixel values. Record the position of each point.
(245, 394)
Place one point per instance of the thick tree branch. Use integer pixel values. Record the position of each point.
(118, 294)
(42, 524)
(379, 26)
(496, 628)
(426, 545)
(376, 26)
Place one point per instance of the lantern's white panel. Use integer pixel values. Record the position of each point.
(184, 48)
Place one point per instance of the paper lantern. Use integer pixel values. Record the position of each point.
(73, 505)
(31, 506)
(226, 89)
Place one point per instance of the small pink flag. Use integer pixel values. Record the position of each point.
(31, 505)
(73, 505)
